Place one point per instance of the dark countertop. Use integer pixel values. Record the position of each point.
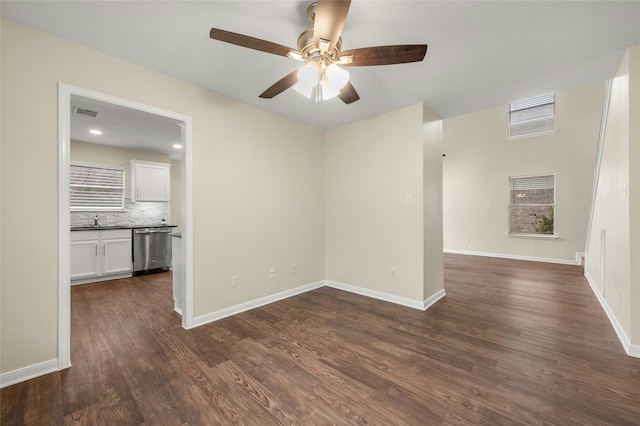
(103, 228)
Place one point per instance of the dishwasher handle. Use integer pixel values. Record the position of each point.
(151, 231)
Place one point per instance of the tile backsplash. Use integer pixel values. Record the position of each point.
(134, 214)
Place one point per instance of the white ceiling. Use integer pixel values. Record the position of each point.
(481, 53)
(125, 127)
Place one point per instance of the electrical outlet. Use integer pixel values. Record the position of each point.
(468, 241)
(272, 273)
(293, 268)
(392, 272)
(234, 281)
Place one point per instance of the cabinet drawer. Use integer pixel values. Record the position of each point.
(116, 233)
(85, 235)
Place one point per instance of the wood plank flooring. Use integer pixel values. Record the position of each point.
(513, 342)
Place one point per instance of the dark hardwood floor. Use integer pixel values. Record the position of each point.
(513, 342)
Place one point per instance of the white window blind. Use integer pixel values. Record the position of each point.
(96, 187)
(533, 182)
(533, 115)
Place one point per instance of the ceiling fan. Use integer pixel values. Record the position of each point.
(320, 48)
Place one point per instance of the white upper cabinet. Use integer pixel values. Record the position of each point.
(150, 181)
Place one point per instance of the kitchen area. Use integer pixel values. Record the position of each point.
(125, 186)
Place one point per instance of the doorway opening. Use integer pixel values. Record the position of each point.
(66, 95)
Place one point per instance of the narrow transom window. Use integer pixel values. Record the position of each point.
(532, 204)
(532, 116)
(94, 187)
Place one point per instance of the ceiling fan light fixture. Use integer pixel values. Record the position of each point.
(329, 90)
(338, 76)
(308, 75)
(305, 91)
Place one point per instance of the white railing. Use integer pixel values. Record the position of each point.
(596, 171)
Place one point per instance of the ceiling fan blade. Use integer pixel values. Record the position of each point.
(329, 21)
(281, 85)
(348, 94)
(384, 55)
(253, 43)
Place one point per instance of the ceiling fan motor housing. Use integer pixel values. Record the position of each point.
(310, 52)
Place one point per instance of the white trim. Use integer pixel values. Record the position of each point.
(535, 236)
(29, 372)
(65, 91)
(433, 299)
(398, 300)
(64, 225)
(233, 310)
(596, 169)
(82, 281)
(187, 223)
(631, 350)
(517, 257)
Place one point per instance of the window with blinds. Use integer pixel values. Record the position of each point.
(532, 204)
(96, 187)
(532, 116)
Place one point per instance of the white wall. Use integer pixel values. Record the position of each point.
(432, 203)
(257, 187)
(479, 160)
(613, 258)
(370, 167)
(175, 206)
(634, 192)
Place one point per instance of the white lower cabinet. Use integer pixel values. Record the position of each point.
(116, 256)
(84, 259)
(100, 254)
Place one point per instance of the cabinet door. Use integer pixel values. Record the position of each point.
(84, 259)
(151, 182)
(116, 256)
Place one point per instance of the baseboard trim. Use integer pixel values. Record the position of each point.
(233, 310)
(631, 350)
(29, 372)
(517, 257)
(433, 299)
(398, 300)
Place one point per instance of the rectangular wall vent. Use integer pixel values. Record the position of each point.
(86, 112)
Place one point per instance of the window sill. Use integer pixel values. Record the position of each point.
(531, 135)
(534, 236)
(90, 210)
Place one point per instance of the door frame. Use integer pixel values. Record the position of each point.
(65, 91)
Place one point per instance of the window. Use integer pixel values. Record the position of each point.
(532, 204)
(532, 116)
(94, 187)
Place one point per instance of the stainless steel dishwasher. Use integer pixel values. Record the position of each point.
(151, 250)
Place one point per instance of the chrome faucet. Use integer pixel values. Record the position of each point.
(95, 221)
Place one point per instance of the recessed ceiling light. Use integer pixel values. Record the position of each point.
(177, 146)
(95, 132)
